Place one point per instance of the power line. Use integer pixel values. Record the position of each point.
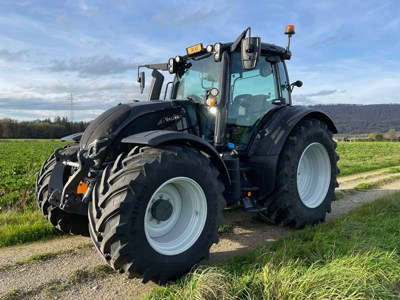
(72, 109)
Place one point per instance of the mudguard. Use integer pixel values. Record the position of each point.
(264, 151)
(156, 138)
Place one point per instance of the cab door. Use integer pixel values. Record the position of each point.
(252, 93)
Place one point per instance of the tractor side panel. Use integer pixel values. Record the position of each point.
(268, 143)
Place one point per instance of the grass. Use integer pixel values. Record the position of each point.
(17, 228)
(394, 170)
(35, 258)
(354, 257)
(358, 157)
(19, 163)
(226, 228)
(12, 294)
(374, 184)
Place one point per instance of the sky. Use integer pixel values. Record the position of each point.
(344, 51)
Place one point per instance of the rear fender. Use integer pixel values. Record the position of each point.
(269, 141)
(157, 138)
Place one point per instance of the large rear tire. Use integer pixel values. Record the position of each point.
(305, 178)
(66, 222)
(155, 213)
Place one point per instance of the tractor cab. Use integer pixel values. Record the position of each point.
(233, 87)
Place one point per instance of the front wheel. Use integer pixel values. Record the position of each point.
(305, 178)
(155, 213)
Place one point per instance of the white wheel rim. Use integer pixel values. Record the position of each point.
(184, 223)
(313, 175)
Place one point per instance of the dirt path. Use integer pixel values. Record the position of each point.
(70, 267)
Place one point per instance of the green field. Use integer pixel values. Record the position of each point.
(20, 220)
(357, 157)
(21, 160)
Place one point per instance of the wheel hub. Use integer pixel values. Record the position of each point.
(175, 216)
(161, 210)
(313, 175)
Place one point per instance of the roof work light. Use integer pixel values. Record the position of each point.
(289, 32)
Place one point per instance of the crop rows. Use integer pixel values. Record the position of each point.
(20, 160)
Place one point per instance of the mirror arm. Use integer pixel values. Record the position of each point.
(141, 78)
(239, 39)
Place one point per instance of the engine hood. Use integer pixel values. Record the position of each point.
(108, 129)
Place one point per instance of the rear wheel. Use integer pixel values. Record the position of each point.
(155, 213)
(69, 223)
(306, 177)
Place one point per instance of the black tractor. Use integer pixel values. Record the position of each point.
(148, 180)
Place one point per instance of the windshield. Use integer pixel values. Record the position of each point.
(195, 78)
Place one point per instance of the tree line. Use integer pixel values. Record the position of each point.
(40, 129)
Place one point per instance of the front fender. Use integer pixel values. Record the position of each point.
(155, 138)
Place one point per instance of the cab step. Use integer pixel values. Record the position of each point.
(250, 204)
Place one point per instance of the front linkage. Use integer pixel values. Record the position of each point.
(73, 196)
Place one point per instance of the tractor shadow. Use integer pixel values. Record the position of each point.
(242, 232)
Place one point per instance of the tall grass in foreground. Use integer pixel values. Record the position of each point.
(354, 257)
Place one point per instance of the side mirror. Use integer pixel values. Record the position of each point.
(297, 83)
(141, 79)
(251, 48)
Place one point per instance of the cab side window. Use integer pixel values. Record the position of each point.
(251, 92)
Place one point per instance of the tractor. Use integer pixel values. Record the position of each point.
(148, 181)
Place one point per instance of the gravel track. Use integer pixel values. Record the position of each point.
(76, 271)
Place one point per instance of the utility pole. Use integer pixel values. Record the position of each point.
(72, 109)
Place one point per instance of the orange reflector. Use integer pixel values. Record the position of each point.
(212, 101)
(248, 194)
(289, 29)
(82, 188)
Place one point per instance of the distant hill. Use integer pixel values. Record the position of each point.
(363, 119)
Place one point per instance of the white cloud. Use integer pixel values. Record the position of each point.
(93, 66)
(344, 51)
